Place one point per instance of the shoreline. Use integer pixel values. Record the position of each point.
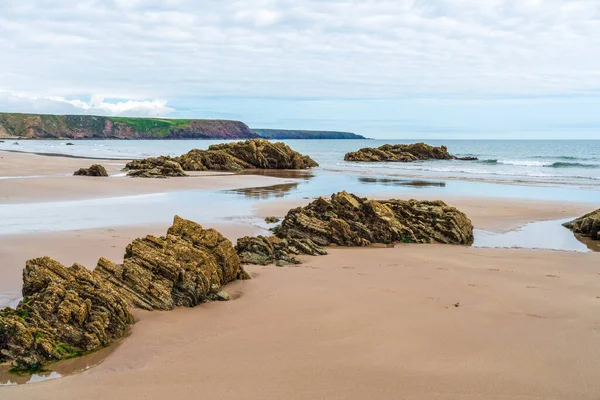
(405, 174)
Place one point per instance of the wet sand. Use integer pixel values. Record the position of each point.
(414, 321)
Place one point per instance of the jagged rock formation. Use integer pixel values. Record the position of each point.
(264, 250)
(402, 153)
(94, 170)
(254, 153)
(167, 169)
(588, 225)
(64, 312)
(68, 311)
(41, 126)
(186, 267)
(349, 220)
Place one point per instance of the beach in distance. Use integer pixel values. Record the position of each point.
(509, 317)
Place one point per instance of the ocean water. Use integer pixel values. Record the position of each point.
(562, 163)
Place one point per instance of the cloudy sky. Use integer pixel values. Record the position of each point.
(390, 69)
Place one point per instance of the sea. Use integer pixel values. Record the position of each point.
(568, 163)
(565, 171)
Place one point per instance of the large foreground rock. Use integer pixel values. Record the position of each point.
(186, 267)
(349, 220)
(94, 170)
(68, 311)
(588, 225)
(402, 153)
(250, 154)
(64, 312)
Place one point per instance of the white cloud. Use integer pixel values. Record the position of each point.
(185, 49)
(19, 102)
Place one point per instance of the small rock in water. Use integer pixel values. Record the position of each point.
(271, 220)
(457, 304)
(70, 144)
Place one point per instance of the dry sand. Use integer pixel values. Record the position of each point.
(376, 323)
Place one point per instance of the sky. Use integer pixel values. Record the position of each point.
(482, 69)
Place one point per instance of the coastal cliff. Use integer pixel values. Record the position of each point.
(295, 134)
(40, 126)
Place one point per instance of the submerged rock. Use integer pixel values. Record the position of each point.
(349, 220)
(186, 267)
(64, 313)
(94, 170)
(588, 225)
(250, 154)
(264, 250)
(402, 153)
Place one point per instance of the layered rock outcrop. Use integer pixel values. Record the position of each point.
(250, 154)
(94, 170)
(186, 267)
(66, 312)
(167, 169)
(264, 250)
(588, 225)
(349, 220)
(403, 153)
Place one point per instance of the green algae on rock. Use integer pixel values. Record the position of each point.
(167, 169)
(349, 220)
(250, 154)
(403, 153)
(66, 312)
(587, 225)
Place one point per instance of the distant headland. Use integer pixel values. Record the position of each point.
(50, 126)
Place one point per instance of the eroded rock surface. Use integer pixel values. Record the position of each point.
(94, 170)
(264, 250)
(64, 312)
(167, 169)
(186, 267)
(403, 153)
(349, 220)
(68, 311)
(588, 225)
(250, 154)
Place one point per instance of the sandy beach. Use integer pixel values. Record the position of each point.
(413, 321)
